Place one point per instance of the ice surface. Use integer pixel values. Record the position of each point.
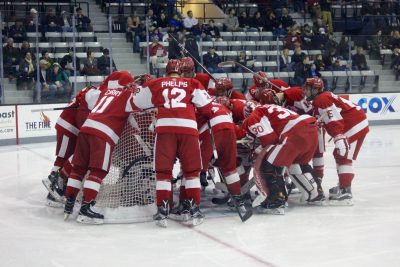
(367, 234)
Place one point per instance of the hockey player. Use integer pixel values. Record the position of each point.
(176, 136)
(96, 141)
(290, 141)
(67, 129)
(261, 82)
(348, 125)
(187, 71)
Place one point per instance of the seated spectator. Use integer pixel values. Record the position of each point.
(46, 56)
(331, 41)
(49, 23)
(343, 47)
(26, 47)
(285, 61)
(286, 19)
(280, 31)
(67, 63)
(157, 53)
(375, 45)
(47, 85)
(396, 62)
(59, 81)
(293, 38)
(298, 55)
(11, 56)
(30, 20)
(395, 40)
(192, 48)
(90, 65)
(26, 73)
(65, 22)
(152, 19)
(231, 22)
(103, 63)
(175, 23)
(132, 23)
(330, 58)
(359, 60)
(140, 36)
(211, 61)
(211, 32)
(256, 22)
(162, 21)
(320, 39)
(17, 32)
(244, 20)
(307, 38)
(156, 32)
(271, 22)
(198, 29)
(242, 59)
(302, 71)
(82, 22)
(189, 21)
(319, 63)
(318, 24)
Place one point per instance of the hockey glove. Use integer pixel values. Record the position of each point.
(341, 145)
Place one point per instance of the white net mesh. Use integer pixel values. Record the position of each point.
(127, 193)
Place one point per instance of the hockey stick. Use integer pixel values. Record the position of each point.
(234, 63)
(53, 109)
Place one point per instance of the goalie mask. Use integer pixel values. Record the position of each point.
(223, 87)
(187, 66)
(313, 87)
(250, 107)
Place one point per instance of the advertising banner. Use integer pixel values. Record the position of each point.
(385, 106)
(37, 124)
(7, 122)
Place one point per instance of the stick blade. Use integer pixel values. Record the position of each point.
(226, 63)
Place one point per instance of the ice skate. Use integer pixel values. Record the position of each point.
(273, 205)
(69, 207)
(240, 203)
(52, 184)
(52, 202)
(203, 180)
(88, 216)
(196, 216)
(181, 212)
(340, 196)
(161, 216)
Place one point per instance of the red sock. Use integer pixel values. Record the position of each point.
(163, 192)
(233, 181)
(193, 191)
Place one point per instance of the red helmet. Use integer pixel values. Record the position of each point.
(260, 79)
(223, 100)
(269, 97)
(315, 84)
(117, 79)
(173, 66)
(187, 65)
(142, 78)
(223, 86)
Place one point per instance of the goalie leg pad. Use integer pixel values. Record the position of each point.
(304, 180)
(273, 178)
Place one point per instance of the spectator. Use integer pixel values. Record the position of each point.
(280, 31)
(395, 40)
(319, 63)
(132, 24)
(320, 40)
(103, 63)
(156, 32)
(140, 36)
(396, 62)
(359, 60)
(157, 53)
(293, 38)
(67, 63)
(330, 58)
(175, 23)
(82, 22)
(343, 47)
(297, 56)
(49, 23)
(26, 73)
(26, 47)
(318, 24)
(302, 71)
(162, 21)
(242, 59)
(285, 61)
(46, 56)
(65, 22)
(192, 48)
(174, 49)
(331, 42)
(17, 32)
(307, 37)
(211, 31)
(375, 45)
(11, 56)
(271, 22)
(59, 81)
(30, 21)
(286, 19)
(48, 87)
(90, 65)
(256, 22)
(244, 20)
(315, 8)
(211, 61)
(152, 19)
(231, 22)
(189, 21)
(326, 12)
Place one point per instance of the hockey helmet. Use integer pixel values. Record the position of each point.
(250, 106)
(173, 66)
(187, 65)
(260, 79)
(223, 86)
(313, 87)
(269, 97)
(142, 78)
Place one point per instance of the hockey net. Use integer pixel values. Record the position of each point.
(127, 194)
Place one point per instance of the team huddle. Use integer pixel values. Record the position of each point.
(276, 130)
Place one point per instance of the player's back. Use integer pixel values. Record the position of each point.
(205, 80)
(277, 116)
(295, 97)
(348, 110)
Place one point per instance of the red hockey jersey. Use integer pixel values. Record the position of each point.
(176, 99)
(252, 93)
(234, 95)
(205, 80)
(340, 116)
(295, 97)
(71, 120)
(221, 118)
(270, 123)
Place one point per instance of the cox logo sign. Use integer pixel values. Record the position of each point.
(377, 104)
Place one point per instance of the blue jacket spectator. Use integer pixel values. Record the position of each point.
(211, 61)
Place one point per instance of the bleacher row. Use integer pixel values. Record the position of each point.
(62, 47)
(62, 36)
